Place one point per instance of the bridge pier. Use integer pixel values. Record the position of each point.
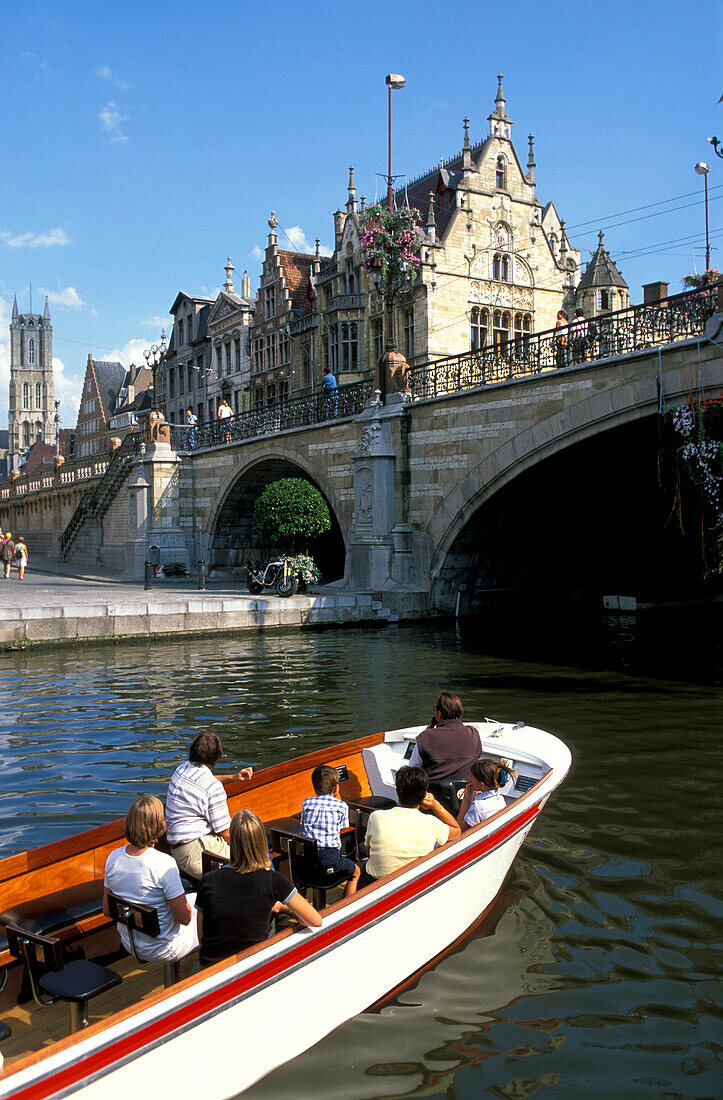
(153, 508)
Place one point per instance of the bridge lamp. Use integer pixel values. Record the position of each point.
(703, 169)
(717, 146)
(394, 80)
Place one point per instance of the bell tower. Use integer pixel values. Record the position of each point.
(31, 405)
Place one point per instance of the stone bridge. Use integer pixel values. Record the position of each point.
(536, 479)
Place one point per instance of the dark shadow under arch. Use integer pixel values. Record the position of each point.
(233, 539)
(589, 521)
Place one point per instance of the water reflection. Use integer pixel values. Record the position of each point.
(598, 970)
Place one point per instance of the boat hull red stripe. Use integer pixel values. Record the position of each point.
(194, 1011)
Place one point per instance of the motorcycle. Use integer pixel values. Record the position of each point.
(272, 574)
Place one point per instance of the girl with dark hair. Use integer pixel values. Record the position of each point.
(482, 797)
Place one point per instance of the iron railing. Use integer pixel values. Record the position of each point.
(96, 501)
(299, 412)
(612, 334)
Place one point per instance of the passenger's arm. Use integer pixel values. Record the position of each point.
(467, 797)
(180, 909)
(305, 912)
(225, 835)
(242, 773)
(430, 803)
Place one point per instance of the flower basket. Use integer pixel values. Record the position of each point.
(391, 240)
(303, 567)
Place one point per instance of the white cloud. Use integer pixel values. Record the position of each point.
(132, 352)
(300, 244)
(157, 322)
(106, 73)
(68, 298)
(35, 60)
(256, 253)
(35, 240)
(111, 119)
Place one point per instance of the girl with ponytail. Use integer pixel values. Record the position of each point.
(482, 797)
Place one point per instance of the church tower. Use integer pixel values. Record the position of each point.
(31, 408)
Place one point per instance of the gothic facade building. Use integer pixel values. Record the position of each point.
(31, 407)
(496, 264)
(229, 332)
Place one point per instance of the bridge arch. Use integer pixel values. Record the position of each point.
(502, 500)
(230, 531)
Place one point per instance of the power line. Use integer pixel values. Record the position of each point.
(648, 206)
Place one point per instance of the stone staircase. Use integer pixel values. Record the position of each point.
(96, 501)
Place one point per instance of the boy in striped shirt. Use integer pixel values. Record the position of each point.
(323, 817)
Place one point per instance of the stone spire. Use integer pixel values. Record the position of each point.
(500, 124)
(466, 151)
(229, 269)
(317, 253)
(563, 243)
(351, 201)
(431, 220)
(362, 205)
(15, 308)
(46, 311)
(272, 223)
(531, 160)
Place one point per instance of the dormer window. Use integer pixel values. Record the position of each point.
(501, 174)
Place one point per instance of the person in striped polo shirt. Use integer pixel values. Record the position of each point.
(197, 817)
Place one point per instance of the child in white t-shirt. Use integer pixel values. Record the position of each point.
(482, 796)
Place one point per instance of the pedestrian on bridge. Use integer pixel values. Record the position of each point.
(224, 415)
(559, 339)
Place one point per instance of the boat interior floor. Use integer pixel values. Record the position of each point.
(34, 1027)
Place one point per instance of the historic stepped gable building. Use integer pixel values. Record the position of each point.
(229, 327)
(286, 293)
(102, 384)
(497, 263)
(31, 409)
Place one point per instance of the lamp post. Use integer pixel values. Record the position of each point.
(154, 356)
(393, 80)
(703, 169)
(287, 333)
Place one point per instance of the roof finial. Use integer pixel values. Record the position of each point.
(229, 269)
(46, 311)
(465, 123)
(351, 201)
(498, 120)
(317, 253)
(466, 152)
(272, 223)
(431, 220)
(363, 204)
(563, 238)
(500, 99)
(531, 159)
(15, 307)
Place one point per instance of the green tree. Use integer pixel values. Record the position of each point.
(290, 512)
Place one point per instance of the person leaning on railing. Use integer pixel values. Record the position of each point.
(197, 817)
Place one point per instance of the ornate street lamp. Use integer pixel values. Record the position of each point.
(396, 81)
(703, 169)
(717, 145)
(154, 356)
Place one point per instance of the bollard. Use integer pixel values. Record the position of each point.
(202, 575)
(148, 569)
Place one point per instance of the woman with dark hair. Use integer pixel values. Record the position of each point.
(138, 873)
(236, 902)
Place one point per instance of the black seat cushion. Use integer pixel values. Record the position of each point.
(52, 912)
(5, 1032)
(79, 981)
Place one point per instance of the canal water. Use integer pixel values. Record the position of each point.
(598, 971)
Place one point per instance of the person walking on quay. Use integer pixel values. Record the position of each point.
(197, 817)
(21, 556)
(7, 553)
(192, 424)
(224, 415)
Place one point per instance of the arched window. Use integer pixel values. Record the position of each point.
(39, 432)
(603, 299)
(31, 351)
(26, 395)
(497, 266)
(505, 269)
(501, 173)
(349, 346)
(500, 328)
(479, 326)
(38, 403)
(26, 435)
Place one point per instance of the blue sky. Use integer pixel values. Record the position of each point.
(145, 142)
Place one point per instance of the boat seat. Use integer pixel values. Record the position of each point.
(211, 861)
(51, 913)
(142, 918)
(76, 982)
(306, 871)
(360, 810)
(5, 1031)
(446, 791)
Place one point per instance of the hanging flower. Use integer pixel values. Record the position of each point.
(303, 567)
(700, 426)
(391, 241)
